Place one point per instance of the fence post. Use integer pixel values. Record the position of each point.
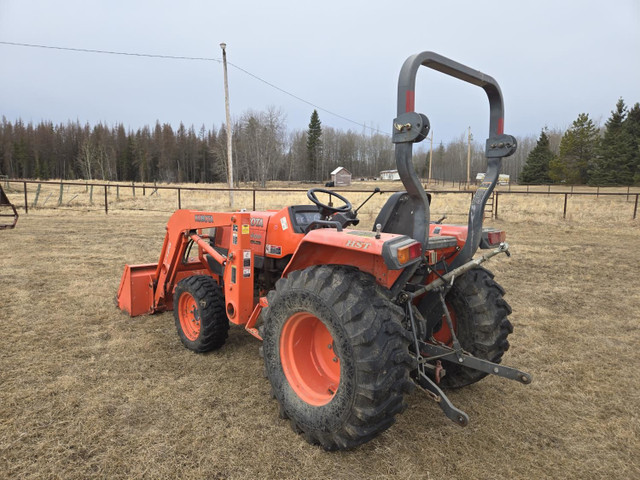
(35, 202)
(133, 188)
(496, 206)
(118, 192)
(91, 194)
(254, 200)
(61, 191)
(564, 212)
(179, 200)
(597, 191)
(144, 190)
(635, 208)
(106, 203)
(628, 188)
(26, 205)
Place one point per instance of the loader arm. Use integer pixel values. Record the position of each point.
(149, 288)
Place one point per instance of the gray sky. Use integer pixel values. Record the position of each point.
(553, 60)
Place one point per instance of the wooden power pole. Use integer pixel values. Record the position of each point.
(229, 143)
(469, 158)
(430, 158)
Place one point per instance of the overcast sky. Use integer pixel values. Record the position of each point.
(552, 59)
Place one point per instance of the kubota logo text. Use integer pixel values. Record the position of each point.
(204, 218)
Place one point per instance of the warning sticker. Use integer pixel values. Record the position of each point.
(246, 272)
(233, 275)
(245, 229)
(235, 228)
(234, 239)
(283, 222)
(273, 250)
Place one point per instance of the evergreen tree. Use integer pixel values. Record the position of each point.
(614, 165)
(578, 150)
(536, 169)
(632, 127)
(314, 147)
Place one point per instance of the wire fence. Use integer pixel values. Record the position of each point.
(52, 194)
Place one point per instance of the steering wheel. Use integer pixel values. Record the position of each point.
(326, 210)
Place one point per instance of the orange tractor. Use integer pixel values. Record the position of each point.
(351, 320)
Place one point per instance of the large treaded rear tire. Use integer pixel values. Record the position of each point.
(367, 339)
(480, 314)
(199, 313)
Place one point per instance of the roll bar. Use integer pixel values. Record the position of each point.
(410, 127)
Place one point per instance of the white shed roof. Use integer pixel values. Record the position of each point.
(337, 170)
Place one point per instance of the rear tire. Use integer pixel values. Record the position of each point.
(199, 313)
(336, 355)
(479, 314)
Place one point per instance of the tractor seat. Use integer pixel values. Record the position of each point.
(392, 217)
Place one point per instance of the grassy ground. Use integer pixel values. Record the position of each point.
(86, 391)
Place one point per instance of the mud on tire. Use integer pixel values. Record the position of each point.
(199, 313)
(339, 339)
(480, 314)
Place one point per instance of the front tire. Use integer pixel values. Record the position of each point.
(199, 313)
(336, 355)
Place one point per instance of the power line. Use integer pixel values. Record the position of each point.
(205, 59)
(109, 52)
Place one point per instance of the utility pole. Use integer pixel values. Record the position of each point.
(430, 158)
(469, 158)
(223, 46)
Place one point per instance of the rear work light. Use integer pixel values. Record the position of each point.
(408, 253)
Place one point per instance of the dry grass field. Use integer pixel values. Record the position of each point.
(86, 391)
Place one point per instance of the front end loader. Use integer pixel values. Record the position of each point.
(351, 319)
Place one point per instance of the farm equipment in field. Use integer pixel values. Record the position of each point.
(7, 211)
(351, 319)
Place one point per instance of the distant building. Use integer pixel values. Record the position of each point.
(503, 179)
(341, 177)
(389, 175)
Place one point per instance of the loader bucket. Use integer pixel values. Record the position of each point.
(135, 295)
(8, 212)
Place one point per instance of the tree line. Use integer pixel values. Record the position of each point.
(265, 149)
(589, 155)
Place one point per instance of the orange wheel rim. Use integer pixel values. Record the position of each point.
(444, 334)
(309, 360)
(189, 315)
